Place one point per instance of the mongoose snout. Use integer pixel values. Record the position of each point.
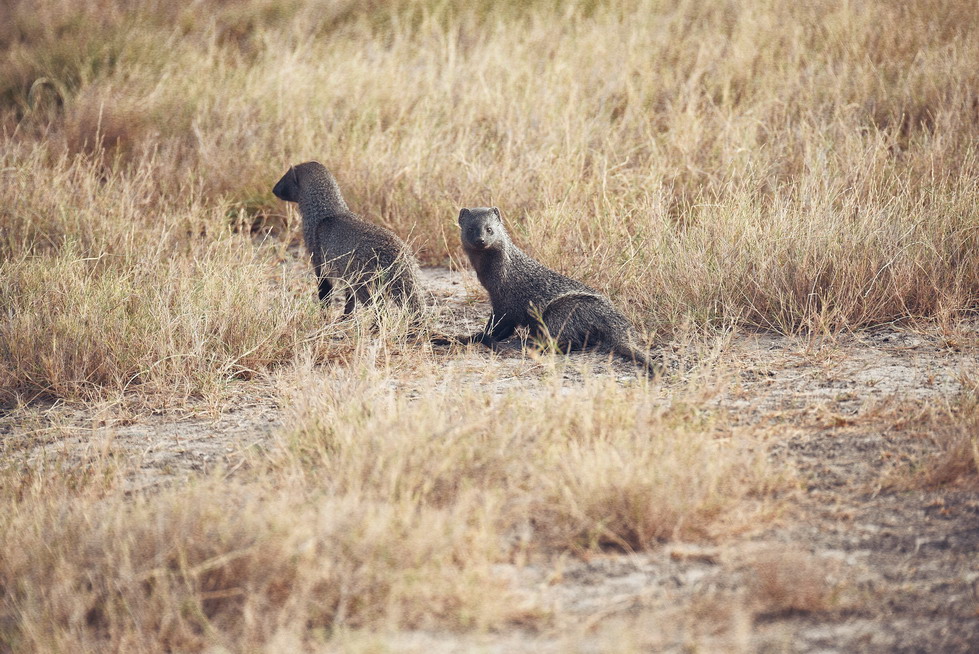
(287, 188)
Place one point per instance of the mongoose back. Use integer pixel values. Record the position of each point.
(523, 292)
(344, 247)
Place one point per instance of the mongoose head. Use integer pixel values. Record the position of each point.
(482, 229)
(304, 175)
(287, 188)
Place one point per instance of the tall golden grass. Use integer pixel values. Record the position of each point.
(799, 168)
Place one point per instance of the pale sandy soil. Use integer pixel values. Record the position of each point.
(901, 566)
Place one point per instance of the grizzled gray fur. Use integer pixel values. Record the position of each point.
(365, 256)
(525, 293)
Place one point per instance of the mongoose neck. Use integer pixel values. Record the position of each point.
(320, 197)
(497, 263)
(319, 201)
(486, 261)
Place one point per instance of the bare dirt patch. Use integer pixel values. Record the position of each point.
(859, 559)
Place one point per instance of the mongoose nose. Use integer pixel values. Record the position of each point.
(480, 242)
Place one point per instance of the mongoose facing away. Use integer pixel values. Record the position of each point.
(365, 257)
(525, 293)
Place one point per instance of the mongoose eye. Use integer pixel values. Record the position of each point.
(489, 230)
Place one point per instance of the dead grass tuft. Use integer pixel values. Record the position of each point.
(220, 564)
(789, 581)
(957, 437)
(581, 468)
(84, 327)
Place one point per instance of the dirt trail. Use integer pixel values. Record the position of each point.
(899, 569)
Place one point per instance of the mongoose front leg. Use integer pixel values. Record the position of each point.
(494, 332)
(351, 302)
(325, 289)
(502, 330)
(482, 337)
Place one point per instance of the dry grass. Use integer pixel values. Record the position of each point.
(585, 468)
(373, 511)
(791, 166)
(774, 582)
(956, 432)
(786, 580)
(805, 167)
(221, 564)
(798, 168)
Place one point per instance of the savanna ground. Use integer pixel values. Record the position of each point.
(196, 456)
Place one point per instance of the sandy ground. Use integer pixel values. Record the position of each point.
(890, 570)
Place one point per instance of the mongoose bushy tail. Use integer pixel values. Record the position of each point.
(366, 257)
(523, 292)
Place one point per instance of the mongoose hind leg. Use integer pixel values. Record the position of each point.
(360, 294)
(574, 321)
(407, 296)
(351, 302)
(578, 321)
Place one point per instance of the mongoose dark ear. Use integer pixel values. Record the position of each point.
(463, 213)
(497, 212)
